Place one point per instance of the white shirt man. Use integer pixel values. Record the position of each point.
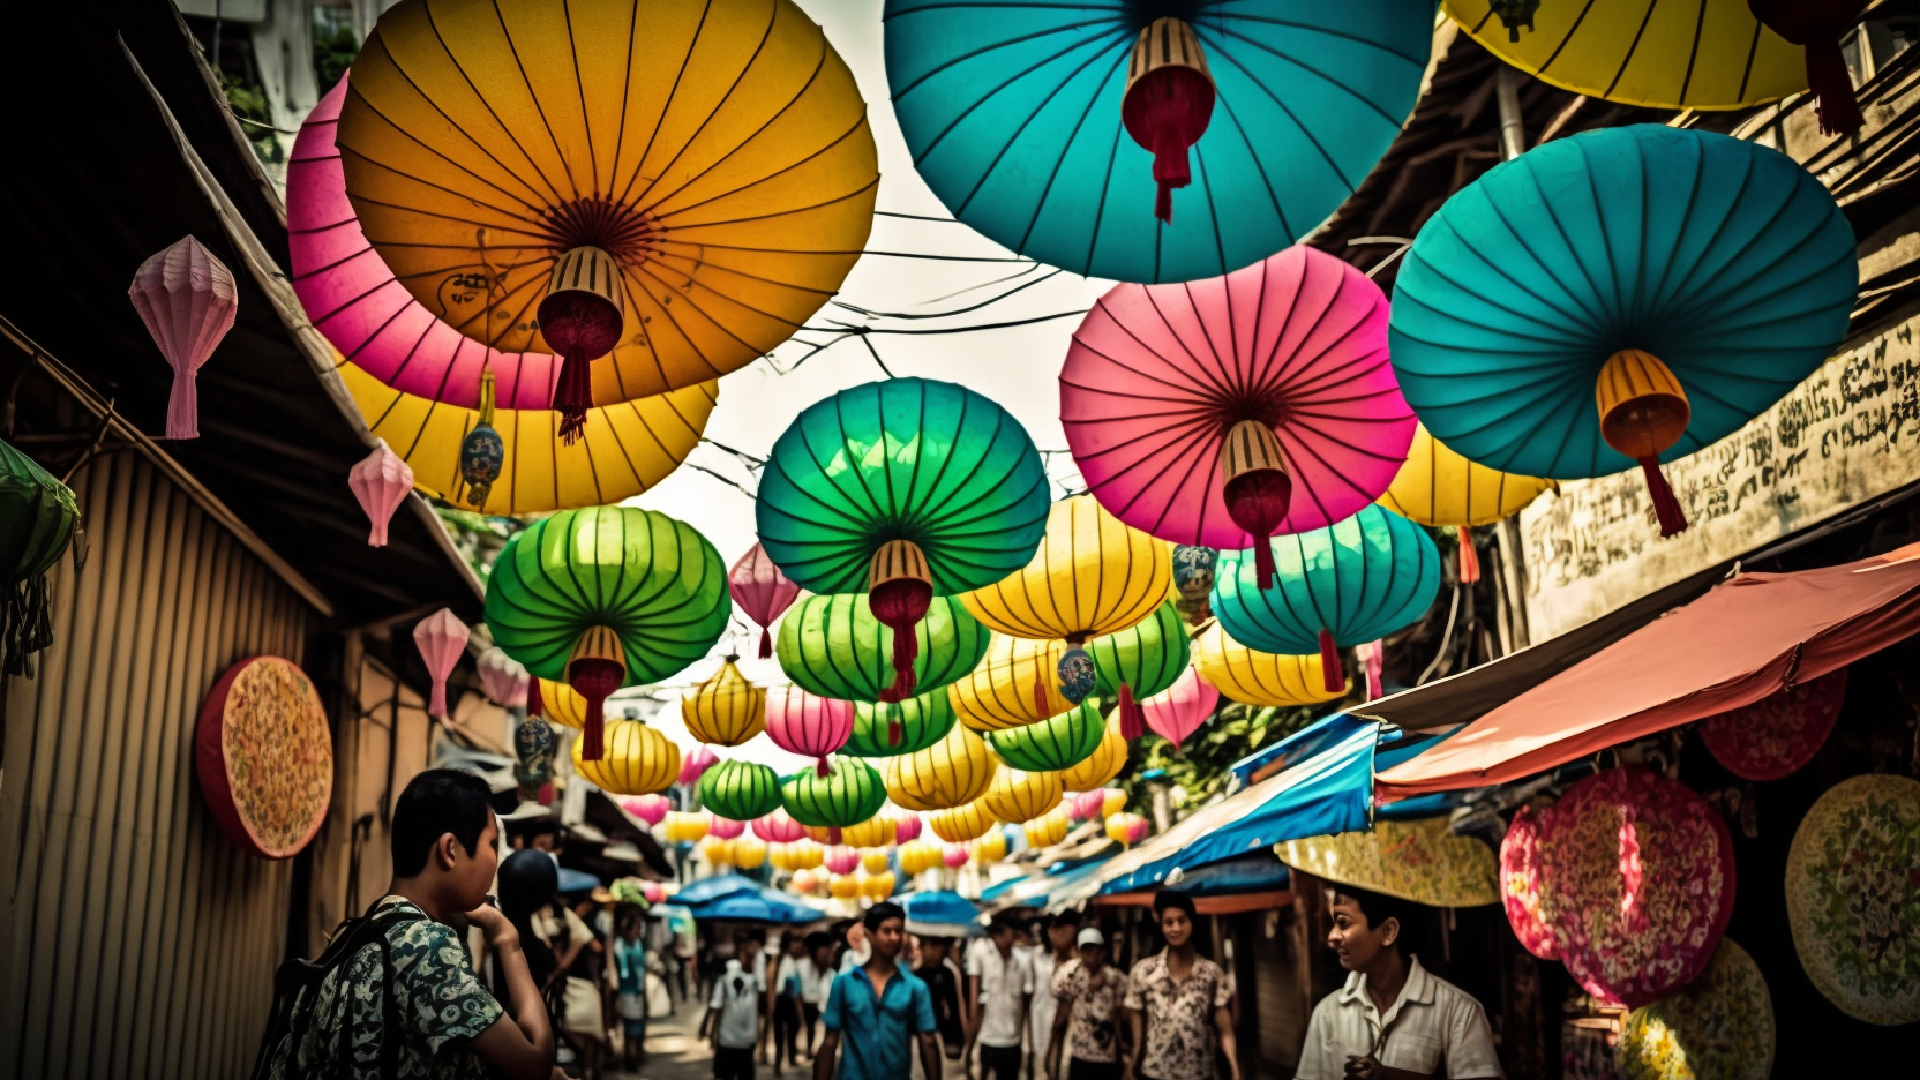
(998, 977)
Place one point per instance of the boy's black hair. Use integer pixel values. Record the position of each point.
(818, 940)
(433, 804)
(1172, 898)
(1377, 908)
(1002, 921)
(881, 912)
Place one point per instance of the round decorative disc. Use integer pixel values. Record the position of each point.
(1777, 735)
(265, 757)
(1522, 887)
(1853, 897)
(1720, 1027)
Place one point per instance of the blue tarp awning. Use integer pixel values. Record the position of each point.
(712, 888)
(766, 906)
(942, 913)
(1260, 872)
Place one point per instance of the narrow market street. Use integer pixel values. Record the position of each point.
(673, 1050)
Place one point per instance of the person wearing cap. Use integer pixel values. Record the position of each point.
(1173, 998)
(1086, 991)
(1057, 936)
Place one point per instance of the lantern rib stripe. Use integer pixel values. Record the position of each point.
(937, 69)
(766, 34)
(1040, 105)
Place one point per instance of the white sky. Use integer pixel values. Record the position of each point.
(1016, 367)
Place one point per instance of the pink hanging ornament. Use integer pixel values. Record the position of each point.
(188, 300)
(779, 828)
(725, 828)
(1371, 658)
(956, 856)
(801, 723)
(654, 892)
(651, 809)
(696, 763)
(1086, 805)
(441, 637)
(841, 859)
(502, 677)
(907, 829)
(380, 482)
(763, 592)
(1180, 709)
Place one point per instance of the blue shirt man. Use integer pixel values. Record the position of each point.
(877, 1011)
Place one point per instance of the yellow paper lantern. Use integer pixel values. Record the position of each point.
(1116, 801)
(804, 882)
(1010, 684)
(873, 861)
(1127, 829)
(749, 852)
(1017, 797)
(919, 856)
(562, 705)
(1047, 830)
(951, 772)
(716, 851)
(844, 887)
(686, 828)
(1092, 575)
(875, 832)
(1438, 487)
(1259, 678)
(1102, 765)
(805, 855)
(777, 857)
(638, 761)
(990, 848)
(726, 710)
(877, 887)
(962, 823)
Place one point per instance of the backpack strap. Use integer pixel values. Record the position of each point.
(296, 981)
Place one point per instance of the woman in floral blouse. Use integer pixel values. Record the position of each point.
(1173, 995)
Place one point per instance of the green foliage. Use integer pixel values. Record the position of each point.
(249, 102)
(334, 45)
(1199, 766)
(477, 537)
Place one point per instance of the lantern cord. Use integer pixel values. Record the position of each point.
(875, 353)
(990, 301)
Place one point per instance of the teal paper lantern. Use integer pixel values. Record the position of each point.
(832, 646)
(849, 793)
(1050, 745)
(923, 720)
(740, 790)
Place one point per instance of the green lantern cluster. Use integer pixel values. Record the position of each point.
(851, 792)
(1056, 743)
(834, 647)
(924, 720)
(37, 516)
(740, 790)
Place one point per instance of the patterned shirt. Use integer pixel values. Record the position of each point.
(441, 1003)
(1091, 1030)
(1178, 1016)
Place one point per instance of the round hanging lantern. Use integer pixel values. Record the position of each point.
(804, 724)
(907, 828)
(1182, 708)
(762, 592)
(740, 790)
(875, 832)
(919, 856)
(1056, 743)
(1720, 1026)
(749, 853)
(906, 490)
(1043, 832)
(1116, 801)
(1141, 661)
(1127, 829)
(1440, 488)
(832, 646)
(955, 856)
(1774, 737)
(679, 260)
(724, 828)
(841, 860)
(186, 297)
(877, 886)
(990, 848)
(1224, 412)
(850, 792)
(1017, 682)
(1193, 568)
(874, 862)
(1641, 874)
(638, 760)
(968, 821)
(1017, 797)
(607, 597)
(686, 828)
(1100, 767)
(777, 858)
(37, 517)
(1753, 273)
(843, 887)
(561, 704)
(726, 709)
(778, 827)
(1075, 134)
(697, 762)
(264, 757)
(1853, 897)
(716, 851)
(954, 771)
(804, 854)
(1523, 890)
(1085, 805)
(651, 809)
(901, 727)
(1348, 584)
(1422, 861)
(1259, 678)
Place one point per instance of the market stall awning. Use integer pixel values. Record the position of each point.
(708, 889)
(1256, 882)
(1749, 637)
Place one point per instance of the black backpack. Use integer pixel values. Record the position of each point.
(296, 988)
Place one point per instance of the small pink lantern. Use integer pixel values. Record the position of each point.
(696, 763)
(724, 828)
(841, 859)
(779, 828)
(441, 637)
(1180, 709)
(187, 299)
(763, 592)
(380, 483)
(907, 829)
(654, 892)
(956, 856)
(1373, 658)
(651, 809)
(1086, 805)
(502, 677)
(801, 723)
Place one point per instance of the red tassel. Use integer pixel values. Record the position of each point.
(572, 396)
(899, 605)
(1163, 201)
(581, 327)
(1331, 670)
(1133, 722)
(1666, 508)
(535, 708)
(1257, 502)
(1469, 558)
(596, 680)
(1373, 658)
(1166, 111)
(1817, 26)
(766, 644)
(822, 769)
(1827, 78)
(893, 733)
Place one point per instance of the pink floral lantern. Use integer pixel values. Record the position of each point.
(1773, 738)
(724, 828)
(696, 763)
(651, 809)
(779, 828)
(1222, 412)
(1086, 805)
(1522, 888)
(841, 859)
(188, 300)
(503, 678)
(956, 856)
(808, 725)
(441, 637)
(380, 483)
(907, 829)
(1180, 709)
(762, 591)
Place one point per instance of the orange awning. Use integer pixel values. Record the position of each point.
(1749, 637)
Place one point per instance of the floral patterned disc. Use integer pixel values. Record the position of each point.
(1419, 860)
(1718, 1028)
(1640, 871)
(1853, 897)
(264, 756)
(1521, 888)
(1775, 736)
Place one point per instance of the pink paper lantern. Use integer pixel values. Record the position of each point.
(696, 763)
(841, 859)
(907, 829)
(1289, 356)
(801, 723)
(1086, 805)
(654, 892)
(651, 809)
(724, 828)
(1180, 709)
(441, 637)
(380, 482)
(779, 828)
(956, 856)
(188, 300)
(503, 678)
(763, 592)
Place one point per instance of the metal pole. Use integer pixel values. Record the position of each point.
(1513, 569)
(1513, 136)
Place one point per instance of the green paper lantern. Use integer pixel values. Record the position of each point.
(834, 647)
(37, 516)
(606, 597)
(1056, 743)
(1146, 657)
(740, 790)
(851, 792)
(924, 720)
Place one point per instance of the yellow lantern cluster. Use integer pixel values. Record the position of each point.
(919, 856)
(962, 823)
(683, 827)
(1047, 830)
(873, 862)
(844, 887)
(726, 710)
(877, 887)
(1017, 797)
(952, 772)
(1009, 684)
(1100, 767)
(796, 856)
(1092, 575)
(875, 832)
(749, 852)
(715, 851)
(638, 760)
(1258, 678)
(990, 848)
(563, 705)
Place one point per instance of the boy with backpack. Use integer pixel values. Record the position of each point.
(733, 1022)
